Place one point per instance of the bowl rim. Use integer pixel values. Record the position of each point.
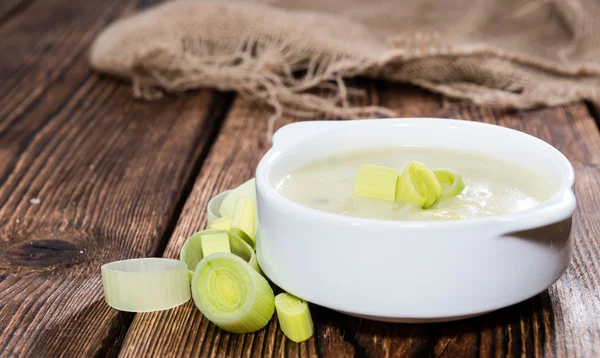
(559, 206)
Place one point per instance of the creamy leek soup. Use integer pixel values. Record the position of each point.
(492, 186)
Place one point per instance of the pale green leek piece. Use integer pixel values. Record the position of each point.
(418, 184)
(232, 295)
(294, 317)
(247, 189)
(145, 285)
(376, 182)
(213, 208)
(223, 223)
(452, 182)
(243, 222)
(191, 252)
(215, 243)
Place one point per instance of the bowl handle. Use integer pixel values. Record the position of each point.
(291, 134)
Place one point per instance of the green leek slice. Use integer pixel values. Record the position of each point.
(294, 317)
(243, 222)
(452, 182)
(247, 189)
(215, 243)
(191, 252)
(376, 182)
(418, 184)
(145, 285)
(214, 206)
(232, 295)
(223, 223)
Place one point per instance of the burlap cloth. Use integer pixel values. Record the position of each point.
(512, 53)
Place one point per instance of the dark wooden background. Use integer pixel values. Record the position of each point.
(118, 178)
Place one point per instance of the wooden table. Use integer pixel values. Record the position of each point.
(88, 175)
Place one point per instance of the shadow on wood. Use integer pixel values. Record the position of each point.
(67, 332)
(507, 330)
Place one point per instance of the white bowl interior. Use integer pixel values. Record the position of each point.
(508, 145)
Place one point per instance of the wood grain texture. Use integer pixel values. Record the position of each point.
(10, 8)
(562, 321)
(88, 175)
(41, 44)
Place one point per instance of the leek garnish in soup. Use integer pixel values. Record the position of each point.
(491, 186)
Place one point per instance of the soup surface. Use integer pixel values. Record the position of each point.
(493, 186)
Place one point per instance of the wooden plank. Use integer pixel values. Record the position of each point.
(561, 321)
(88, 175)
(44, 42)
(10, 8)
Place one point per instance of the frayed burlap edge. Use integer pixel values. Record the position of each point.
(269, 75)
(260, 71)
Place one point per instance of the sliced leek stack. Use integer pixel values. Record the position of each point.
(231, 294)
(191, 252)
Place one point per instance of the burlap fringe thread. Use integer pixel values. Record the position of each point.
(263, 71)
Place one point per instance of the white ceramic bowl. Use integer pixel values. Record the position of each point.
(412, 271)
